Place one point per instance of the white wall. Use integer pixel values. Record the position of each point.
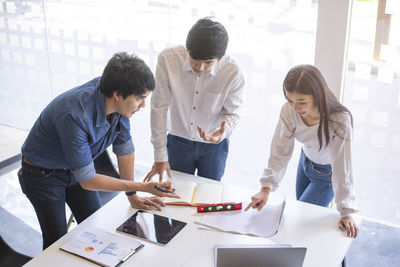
(333, 27)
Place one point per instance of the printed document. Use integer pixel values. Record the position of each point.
(101, 247)
(263, 223)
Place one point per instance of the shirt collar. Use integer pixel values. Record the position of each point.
(100, 108)
(187, 67)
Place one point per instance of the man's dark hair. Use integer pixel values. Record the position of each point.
(207, 39)
(126, 74)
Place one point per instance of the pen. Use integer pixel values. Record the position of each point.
(163, 189)
(130, 253)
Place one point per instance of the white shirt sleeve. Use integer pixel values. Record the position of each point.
(281, 150)
(233, 103)
(342, 171)
(160, 103)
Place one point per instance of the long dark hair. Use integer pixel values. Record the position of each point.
(308, 80)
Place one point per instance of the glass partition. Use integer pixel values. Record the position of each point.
(48, 47)
(372, 93)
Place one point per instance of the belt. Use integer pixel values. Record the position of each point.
(32, 168)
(28, 162)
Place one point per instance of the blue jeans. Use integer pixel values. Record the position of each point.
(187, 156)
(314, 182)
(48, 191)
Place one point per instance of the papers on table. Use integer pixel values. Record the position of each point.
(263, 223)
(101, 247)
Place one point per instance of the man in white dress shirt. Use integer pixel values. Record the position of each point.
(202, 89)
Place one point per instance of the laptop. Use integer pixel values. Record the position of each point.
(259, 256)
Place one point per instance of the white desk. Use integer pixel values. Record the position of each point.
(303, 225)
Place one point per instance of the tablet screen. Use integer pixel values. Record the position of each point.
(152, 227)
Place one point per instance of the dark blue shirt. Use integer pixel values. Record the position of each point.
(73, 129)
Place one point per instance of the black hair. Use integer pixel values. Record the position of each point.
(207, 39)
(126, 74)
(308, 80)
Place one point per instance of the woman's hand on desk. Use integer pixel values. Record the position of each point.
(347, 224)
(259, 200)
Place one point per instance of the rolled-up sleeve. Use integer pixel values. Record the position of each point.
(85, 173)
(123, 144)
(74, 142)
(124, 148)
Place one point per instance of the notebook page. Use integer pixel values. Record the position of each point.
(208, 193)
(184, 189)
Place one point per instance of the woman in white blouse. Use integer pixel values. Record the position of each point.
(314, 117)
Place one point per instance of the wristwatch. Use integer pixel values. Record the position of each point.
(131, 193)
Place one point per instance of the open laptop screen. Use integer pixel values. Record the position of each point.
(259, 256)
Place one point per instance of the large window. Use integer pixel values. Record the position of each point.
(48, 47)
(372, 92)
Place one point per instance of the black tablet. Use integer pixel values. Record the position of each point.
(151, 227)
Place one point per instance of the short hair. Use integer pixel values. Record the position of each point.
(126, 75)
(207, 39)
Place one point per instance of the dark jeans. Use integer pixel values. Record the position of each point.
(314, 182)
(187, 156)
(48, 191)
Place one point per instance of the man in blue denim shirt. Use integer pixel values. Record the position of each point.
(75, 128)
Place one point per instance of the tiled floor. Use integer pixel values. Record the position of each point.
(10, 141)
(14, 201)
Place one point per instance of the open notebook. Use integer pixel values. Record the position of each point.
(193, 194)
